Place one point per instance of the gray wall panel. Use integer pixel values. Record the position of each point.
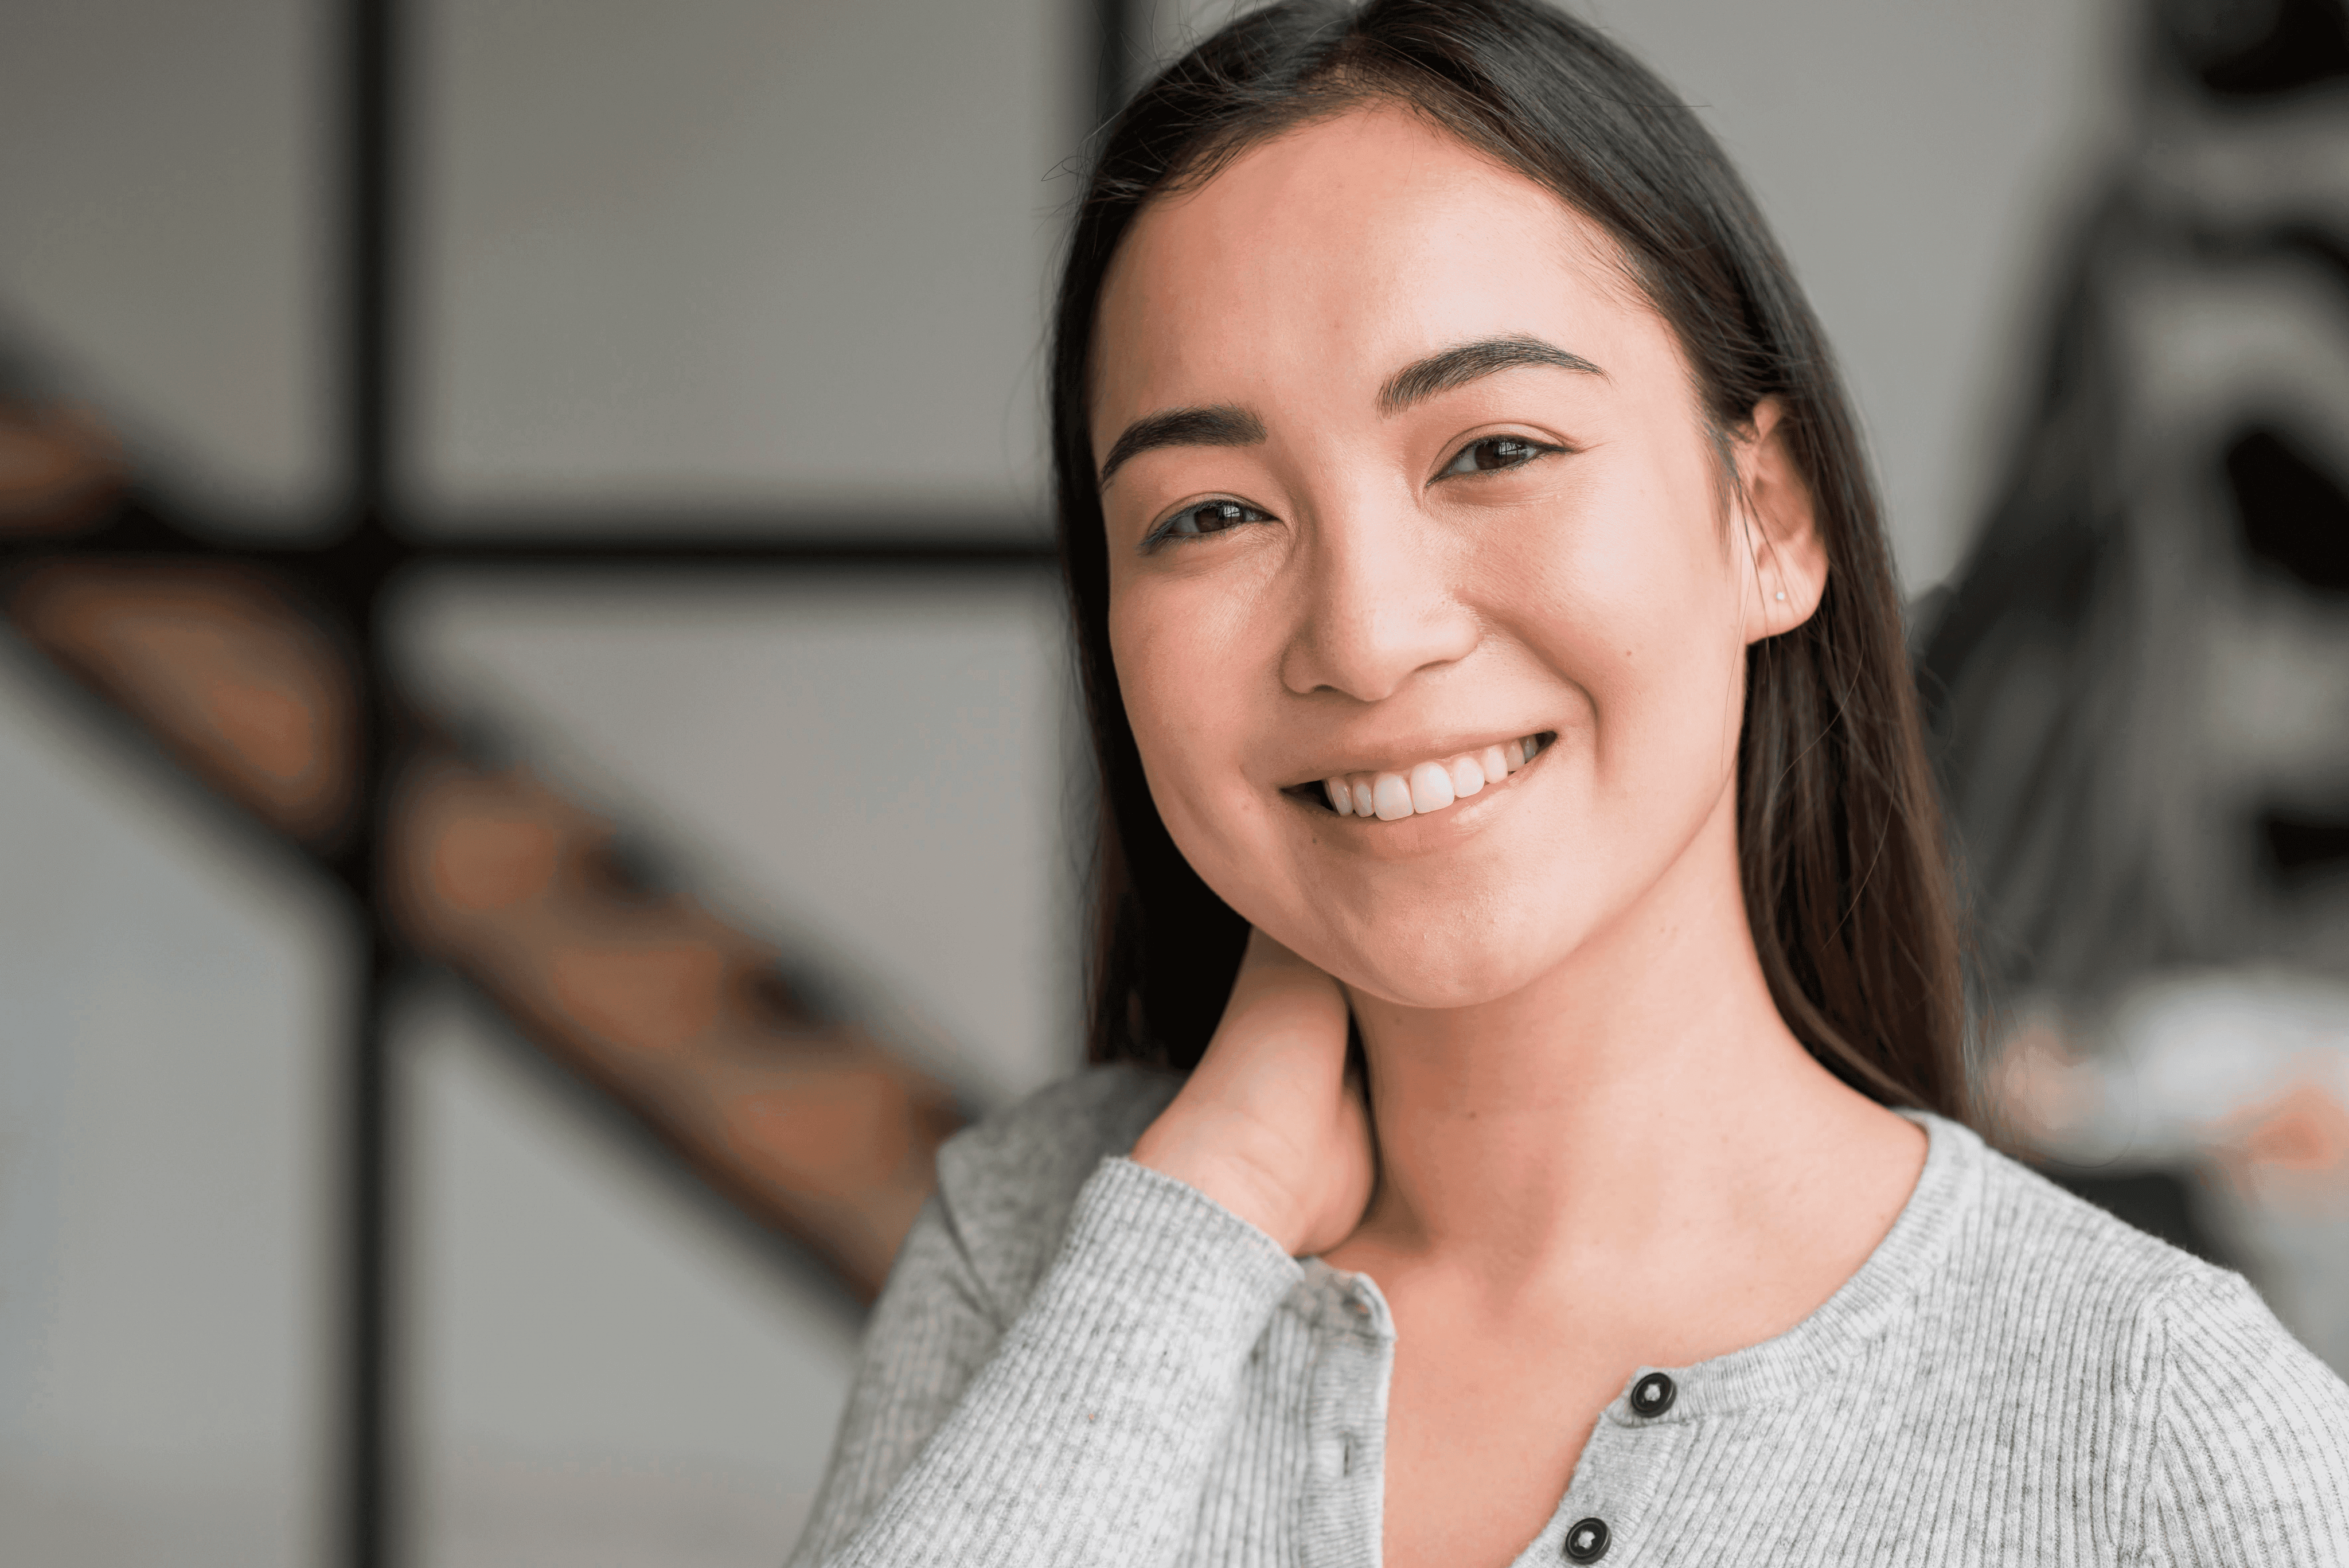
(604, 1375)
(163, 202)
(169, 1004)
(738, 252)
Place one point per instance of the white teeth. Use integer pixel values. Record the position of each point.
(1429, 786)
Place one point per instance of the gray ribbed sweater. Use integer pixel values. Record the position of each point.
(1080, 1361)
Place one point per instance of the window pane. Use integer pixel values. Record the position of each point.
(737, 253)
(875, 769)
(607, 1372)
(164, 175)
(171, 1007)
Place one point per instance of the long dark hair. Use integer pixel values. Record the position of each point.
(1845, 872)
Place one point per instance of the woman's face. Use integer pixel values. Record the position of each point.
(1399, 470)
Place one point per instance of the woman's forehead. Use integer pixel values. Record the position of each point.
(1330, 254)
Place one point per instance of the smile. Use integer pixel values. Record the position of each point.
(1427, 786)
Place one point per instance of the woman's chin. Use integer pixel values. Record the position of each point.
(1440, 975)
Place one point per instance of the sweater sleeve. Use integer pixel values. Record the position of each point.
(1083, 1435)
(2250, 1443)
(928, 1334)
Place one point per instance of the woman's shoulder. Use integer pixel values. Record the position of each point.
(2053, 1249)
(2031, 1258)
(1006, 1184)
(2187, 1352)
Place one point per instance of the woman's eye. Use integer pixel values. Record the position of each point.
(1205, 517)
(1495, 452)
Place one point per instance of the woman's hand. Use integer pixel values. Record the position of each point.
(1268, 1124)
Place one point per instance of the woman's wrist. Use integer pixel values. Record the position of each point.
(1177, 1146)
(1266, 1125)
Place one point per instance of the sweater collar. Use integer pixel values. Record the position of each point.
(1784, 1365)
(1876, 1297)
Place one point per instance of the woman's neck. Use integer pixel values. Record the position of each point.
(1642, 1100)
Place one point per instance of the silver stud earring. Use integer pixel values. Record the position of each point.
(1782, 593)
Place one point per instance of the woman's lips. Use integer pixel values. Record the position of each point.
(1392, 794)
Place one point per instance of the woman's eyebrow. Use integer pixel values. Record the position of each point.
(1464, 363)
(1223, 425)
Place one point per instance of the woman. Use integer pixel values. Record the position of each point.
(1490, 639)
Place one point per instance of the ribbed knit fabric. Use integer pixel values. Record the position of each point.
(1078, 1361)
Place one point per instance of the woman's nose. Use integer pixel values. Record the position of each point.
(1376, 605)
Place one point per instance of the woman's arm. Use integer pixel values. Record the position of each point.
(1083, 1435)
(929, 1333)
(1081, 1432)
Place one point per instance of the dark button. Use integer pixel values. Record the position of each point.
(1653, 1395)
(1587, 1542)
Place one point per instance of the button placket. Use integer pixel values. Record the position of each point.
(1606, 1514)
(1346, 1416)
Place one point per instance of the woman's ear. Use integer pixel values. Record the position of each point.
(1780, 554)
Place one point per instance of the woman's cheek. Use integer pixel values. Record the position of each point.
(1180, 712)
(1188, 707)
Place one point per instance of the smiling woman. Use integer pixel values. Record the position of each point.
(1529, 1120)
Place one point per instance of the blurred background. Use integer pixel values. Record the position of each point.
(538, 751)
